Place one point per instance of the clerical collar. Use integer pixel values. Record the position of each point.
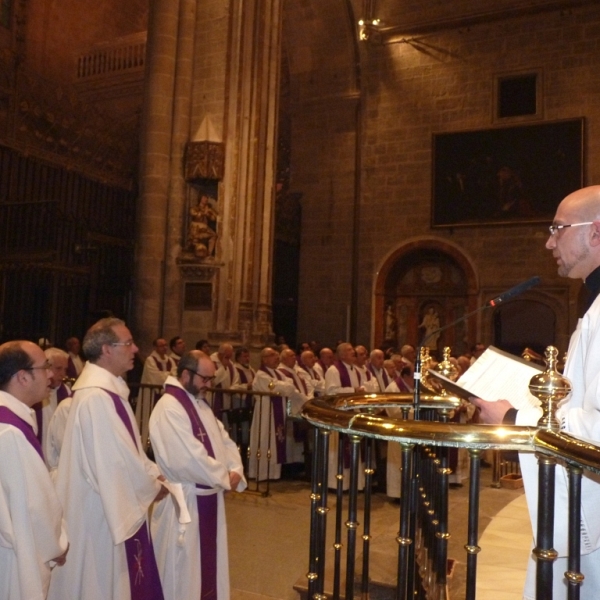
(592, 283)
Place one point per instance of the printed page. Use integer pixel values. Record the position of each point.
(498, 375)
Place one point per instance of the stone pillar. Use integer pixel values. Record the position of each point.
(155, 169)
(219, 60)
(244, 290)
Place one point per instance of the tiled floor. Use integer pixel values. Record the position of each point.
(269, 542)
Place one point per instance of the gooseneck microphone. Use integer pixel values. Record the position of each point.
(508, 295)
(515, 291)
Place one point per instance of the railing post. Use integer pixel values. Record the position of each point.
(544, 551)
(573, 575)
(404, 539)
(367, 518)
(352, 523)
(318, 516)
(472, 546)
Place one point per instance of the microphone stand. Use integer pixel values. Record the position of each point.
(426, 337)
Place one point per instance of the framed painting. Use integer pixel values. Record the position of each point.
(505, 175)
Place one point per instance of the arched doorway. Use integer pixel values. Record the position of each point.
(424, 285)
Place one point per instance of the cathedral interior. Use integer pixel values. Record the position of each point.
(313, 169)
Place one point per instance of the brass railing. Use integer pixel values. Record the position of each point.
(423, 521)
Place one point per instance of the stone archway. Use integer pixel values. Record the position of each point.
(424, 284)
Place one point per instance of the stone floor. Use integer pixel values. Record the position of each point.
(269, 540)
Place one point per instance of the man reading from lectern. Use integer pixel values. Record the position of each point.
(575, 244)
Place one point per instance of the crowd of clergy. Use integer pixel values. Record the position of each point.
(84, 513)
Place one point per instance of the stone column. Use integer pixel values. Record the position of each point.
(243, 310)
(221, 60)
(155, 169)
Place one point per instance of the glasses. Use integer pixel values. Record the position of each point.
(128, 343)
(556, 228)
(203, 377)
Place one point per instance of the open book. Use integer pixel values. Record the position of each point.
(495, 375)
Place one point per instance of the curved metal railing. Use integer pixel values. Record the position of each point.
(423, 526)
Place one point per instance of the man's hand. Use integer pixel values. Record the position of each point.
(234, 479)
(62, 559)
(492, 413)
(163, 490)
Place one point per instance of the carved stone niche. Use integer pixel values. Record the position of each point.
(204, 160)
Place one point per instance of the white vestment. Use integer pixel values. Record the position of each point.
(579, 415)
(56, 433)
(227, 378)
(184, 459)
(156, 370)
(106, 485)
(393, 474)
(263, 433)
(31, 526)
(333, 385)
(314, 381)
(294, 447)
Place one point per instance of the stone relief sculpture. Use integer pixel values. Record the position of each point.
(202, 228)
(390, 323)
(431, 323)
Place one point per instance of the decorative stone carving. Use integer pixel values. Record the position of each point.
(204, 160)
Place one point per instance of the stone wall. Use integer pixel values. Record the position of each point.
(437, 81)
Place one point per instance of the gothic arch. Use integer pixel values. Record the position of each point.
(448, 288)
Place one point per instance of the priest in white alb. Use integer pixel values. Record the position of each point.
(32, 536)
(192, 447)
(105, 481)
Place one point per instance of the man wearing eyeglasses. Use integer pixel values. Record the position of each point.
(105, 481)
(575, 244)
(192, 447)
(32, 537)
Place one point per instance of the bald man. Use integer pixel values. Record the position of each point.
(343, 378)
(192, 448)
(326, 358)
(575, 244)
(32, 537)
(269, 423)
(226, 377)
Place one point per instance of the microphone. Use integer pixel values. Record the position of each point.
(515, 291)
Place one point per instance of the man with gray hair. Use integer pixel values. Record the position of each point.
(44, 411)
(57, 359)
(105, 481)
(192, 447)
(267, 431)
(32, 537)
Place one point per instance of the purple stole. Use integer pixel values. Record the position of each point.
(313, 373)
(344, 375)
(8, 416)
(207, 505)
(401, 385)
(278, 419)
(71, 369)
(384, 376)
(144, 581)
(345, 382)
(39, 418)
(244, 379)
(218, 397)
(62, 392)
(299, 432)
(160, 367)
